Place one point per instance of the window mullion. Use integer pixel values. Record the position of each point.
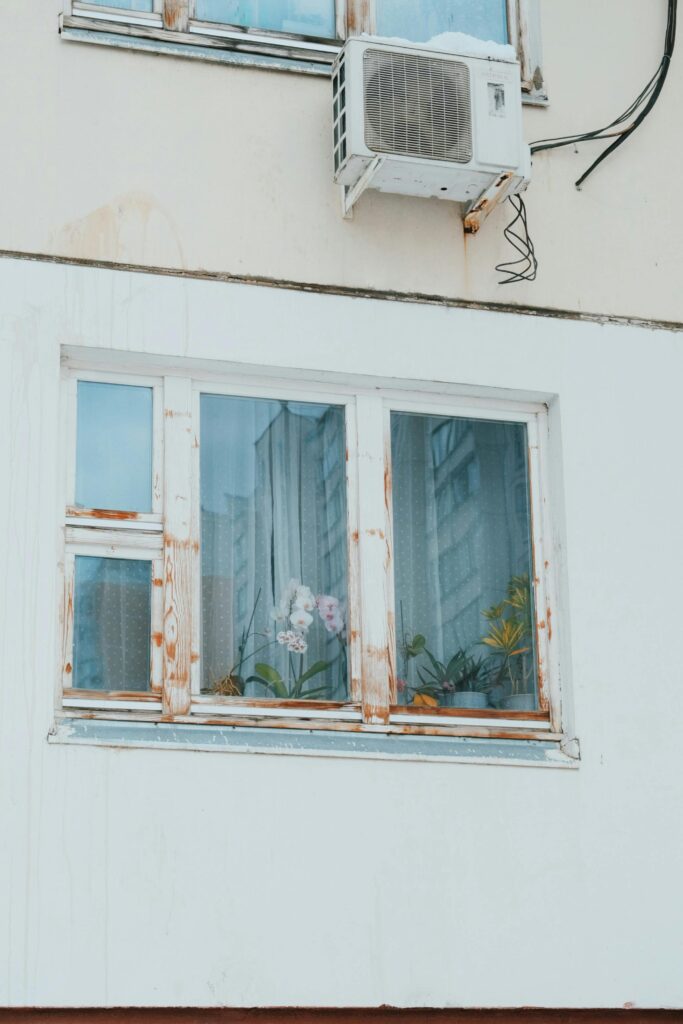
(360, 17)
(377, 650)
(176, 15)
(179, 546)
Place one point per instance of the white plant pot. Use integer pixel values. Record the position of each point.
(519, 702)
(465, 699)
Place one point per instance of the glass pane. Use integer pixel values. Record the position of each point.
(112, 624)
(462, 558)
(421, 20)
(297, 17)
(273, 535)
(114, 447)
(126, 5)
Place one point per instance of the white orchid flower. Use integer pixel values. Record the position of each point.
(300, 619)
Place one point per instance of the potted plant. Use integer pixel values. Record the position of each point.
(295, 609)
(459, 683)
(509, 641)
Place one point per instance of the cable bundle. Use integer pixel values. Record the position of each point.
(524, 268)
(638, 110)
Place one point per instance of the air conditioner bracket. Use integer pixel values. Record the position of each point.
(477, 212)
(351, 195)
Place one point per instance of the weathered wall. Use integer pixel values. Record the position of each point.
(111, 155)
(162, 877)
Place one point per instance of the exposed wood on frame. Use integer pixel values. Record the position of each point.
(178, 552)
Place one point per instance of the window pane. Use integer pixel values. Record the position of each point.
(114, 447)
(298, 17)
(421, 20)
(273, 535)
(112, 624)
(462, 557)
(126, 5)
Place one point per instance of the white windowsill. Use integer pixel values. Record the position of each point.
(312, 743)
(172, 48)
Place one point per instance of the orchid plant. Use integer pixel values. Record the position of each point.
(296, 609)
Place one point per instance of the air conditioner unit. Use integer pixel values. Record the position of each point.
(423, 122)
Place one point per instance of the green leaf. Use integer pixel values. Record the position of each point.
(316, 667)
(270, 674)
(314, 694)
(458, 661)
(271, 678)
(439, 669)
(416, 645)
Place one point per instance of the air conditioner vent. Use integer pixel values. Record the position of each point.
(417, 106)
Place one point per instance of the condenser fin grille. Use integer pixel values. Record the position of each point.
(417, 106)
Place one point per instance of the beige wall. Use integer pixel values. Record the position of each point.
(121, 156)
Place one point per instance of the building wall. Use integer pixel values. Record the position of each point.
(119, 156)
(161, 877)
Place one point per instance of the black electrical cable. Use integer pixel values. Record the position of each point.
(524, 268)
(643, 103)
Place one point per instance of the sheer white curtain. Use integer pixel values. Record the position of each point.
(273, 510)
(112, 614)
(461, 527)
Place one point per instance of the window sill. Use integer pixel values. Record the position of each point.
(174, 48)
(314, 743)
(76, 29)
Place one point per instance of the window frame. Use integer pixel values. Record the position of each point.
(174, 21)
(170, 537)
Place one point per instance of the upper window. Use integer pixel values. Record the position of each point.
(269, 553)
(292, 31)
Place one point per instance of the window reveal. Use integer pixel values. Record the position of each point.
(347, 559)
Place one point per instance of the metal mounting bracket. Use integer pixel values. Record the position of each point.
(477, 212)
(350, 196)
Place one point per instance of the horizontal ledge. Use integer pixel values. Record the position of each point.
(309, 743)
(214, 55)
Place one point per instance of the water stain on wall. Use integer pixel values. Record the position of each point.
(133, 228)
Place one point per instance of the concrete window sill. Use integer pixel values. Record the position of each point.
(312, 743)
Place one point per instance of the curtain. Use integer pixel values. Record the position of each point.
(112, 617)
(273, 510)
(461, 528)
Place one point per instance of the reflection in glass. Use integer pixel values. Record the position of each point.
(297, 17)
(421, 20)
(273, 535)
(112, 624)
(114, 447)
(462, 563)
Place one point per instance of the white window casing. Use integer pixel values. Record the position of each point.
(169, 538)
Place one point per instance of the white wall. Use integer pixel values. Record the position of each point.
(112, 155)
(161, 877)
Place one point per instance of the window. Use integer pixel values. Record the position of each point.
(306, 34)
(259, 552)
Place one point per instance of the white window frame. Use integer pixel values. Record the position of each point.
(174, 21)
(169, 537)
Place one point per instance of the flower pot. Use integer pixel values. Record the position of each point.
(519, 702)
(465, 699)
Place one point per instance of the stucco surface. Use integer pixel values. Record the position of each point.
(152, 877)
(113, 155)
